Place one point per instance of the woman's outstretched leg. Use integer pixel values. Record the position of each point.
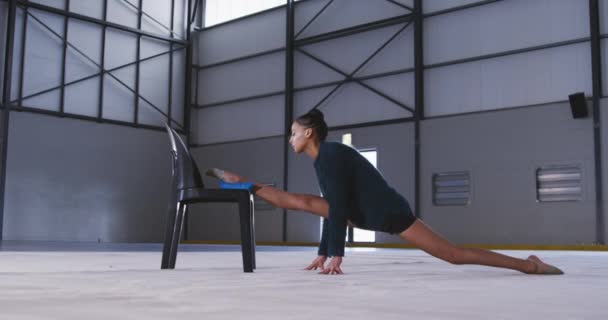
(420, 235)
(282, 199)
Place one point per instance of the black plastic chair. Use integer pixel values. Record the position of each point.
(187, 188)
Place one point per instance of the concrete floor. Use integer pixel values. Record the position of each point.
(59, 281)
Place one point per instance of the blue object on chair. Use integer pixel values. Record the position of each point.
(235, 185)
(188, 188)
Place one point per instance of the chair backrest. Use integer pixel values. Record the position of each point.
(185, 172)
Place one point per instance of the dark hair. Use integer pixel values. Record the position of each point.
(314, 119)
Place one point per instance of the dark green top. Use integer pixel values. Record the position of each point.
(355, 191)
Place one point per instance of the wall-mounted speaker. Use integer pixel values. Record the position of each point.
(578, 105)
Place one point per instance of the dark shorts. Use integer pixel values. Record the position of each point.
(399, 222)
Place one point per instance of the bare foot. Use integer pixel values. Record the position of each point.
(543, 268)
(232, 177)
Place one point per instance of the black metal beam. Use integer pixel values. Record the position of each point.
(102, 64)
(101, 73)
(170, 102)
(250, 56)
(93, 119)
(351, 79)
(371, 124)
(6, 96)
(310, 87)
(507, 53)
(23, 48)
(64, 60)
(459, 8)
(313, 18)
(259, 96)
(289, 67)
(419, 99)
(350, 75)
(137, 63)
(27, 4)
(399, 4)
(353, 30)
(596, 69)
(188, 75)
(187, 105)
(94, 63)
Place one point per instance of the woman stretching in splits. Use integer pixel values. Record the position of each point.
(355, 192)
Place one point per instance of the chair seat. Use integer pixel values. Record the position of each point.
(191, 195)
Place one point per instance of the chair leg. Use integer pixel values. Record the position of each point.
(253, 244)
(177, 234)
(169, 231)
(246, 237)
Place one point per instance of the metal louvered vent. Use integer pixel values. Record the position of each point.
(559, 183)
(451, 189)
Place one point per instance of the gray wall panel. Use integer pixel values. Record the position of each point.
(91, 8)
(302, 226)
(179, 68)
(361, 46)
(517, 80)
(43, 56)
(151, 47)
(154, 81)
(251, 77)
(120, 12)
(159, 10)
(309, 72)
(242, 38)
(239, 121)
(86, 37)
(502, 150)
(118, 101)
(261, 161)
(437, 5)
(351, 104)
(70, 180)
(59, 4)
(342, 14)
(179, 21)
(490, 28)
(120, 48)
(82, 98)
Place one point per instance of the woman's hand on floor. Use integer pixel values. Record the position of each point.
(333, 267)
(318, 263)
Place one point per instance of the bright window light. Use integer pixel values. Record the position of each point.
(218, 11)
(360, 235)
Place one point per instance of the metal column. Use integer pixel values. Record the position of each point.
(6, 97)
(596, 67)
(419, 97)
(289, 61)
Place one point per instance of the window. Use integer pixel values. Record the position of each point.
(218, 11)
(360, 235)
